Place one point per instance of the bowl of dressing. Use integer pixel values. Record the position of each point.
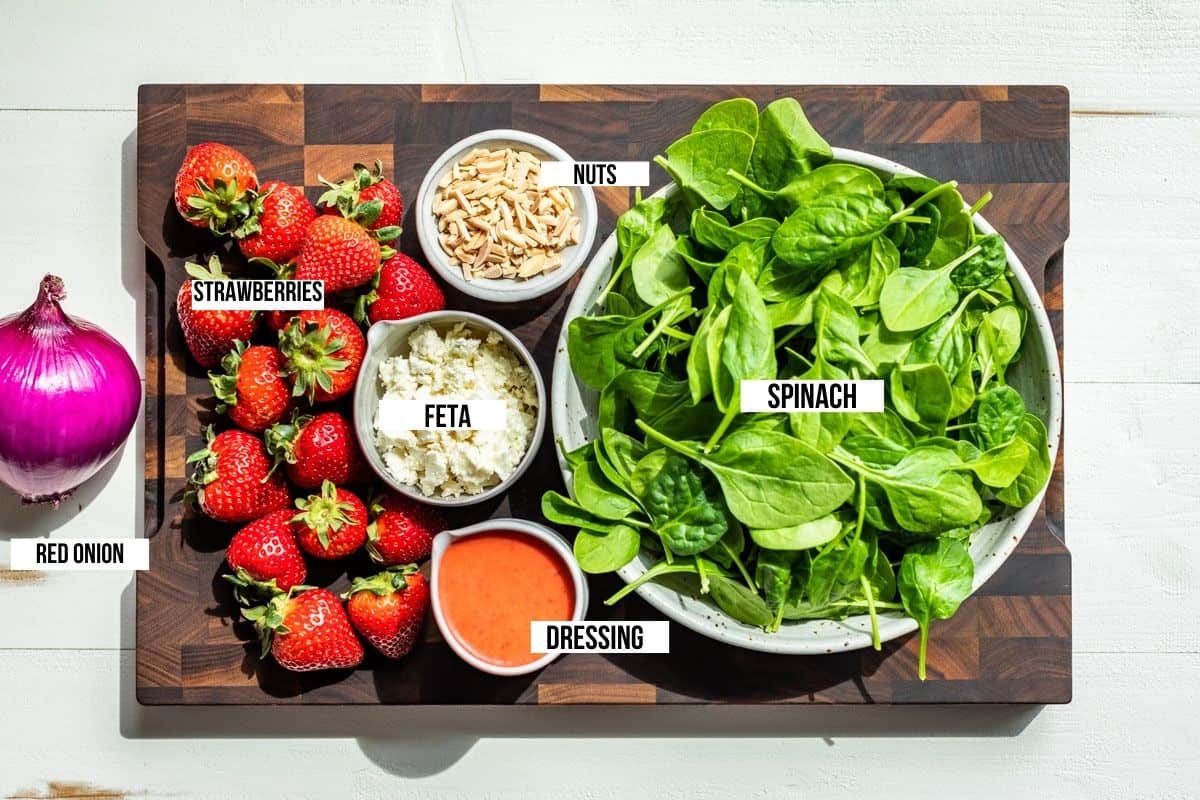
(491, 580)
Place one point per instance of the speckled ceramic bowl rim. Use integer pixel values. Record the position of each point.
(378, 338)
(444, 540)
(826, 635)
(504, 290)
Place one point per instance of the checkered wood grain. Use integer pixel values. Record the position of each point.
(1011, 642)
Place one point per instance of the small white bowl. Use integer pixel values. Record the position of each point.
(503, 290)
(390, 338)
(446, 539)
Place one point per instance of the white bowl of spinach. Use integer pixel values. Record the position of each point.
(772, 255)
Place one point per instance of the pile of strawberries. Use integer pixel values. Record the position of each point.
(282, 472)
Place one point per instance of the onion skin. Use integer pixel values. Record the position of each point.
(69, 396)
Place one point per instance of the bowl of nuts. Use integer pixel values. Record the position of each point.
(491, 230)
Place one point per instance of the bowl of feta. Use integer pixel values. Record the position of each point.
(449, 408)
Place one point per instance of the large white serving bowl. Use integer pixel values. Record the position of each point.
(1036, 376)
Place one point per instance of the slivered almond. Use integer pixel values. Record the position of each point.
(494, 221)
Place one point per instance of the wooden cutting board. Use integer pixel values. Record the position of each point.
(1009, 643)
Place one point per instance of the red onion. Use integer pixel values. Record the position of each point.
(69, 395)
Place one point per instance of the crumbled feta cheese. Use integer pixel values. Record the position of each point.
(462, 363)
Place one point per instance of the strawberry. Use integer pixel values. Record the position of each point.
(389, 609)
(401, 530)
(212, 187)
(323, 351)
(251, 389)
(369, 199)
(332, 524)
(278, 218)
(209, 335)
(317, 449)
(306, 629)
(278, 320)
(265, 558)
(403, 288)
(340, 252)
(232, 481)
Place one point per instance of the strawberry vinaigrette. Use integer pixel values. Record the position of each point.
(493, 584)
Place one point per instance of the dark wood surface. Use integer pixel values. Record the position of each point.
(1010, 642)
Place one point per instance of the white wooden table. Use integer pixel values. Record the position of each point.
(68, 720)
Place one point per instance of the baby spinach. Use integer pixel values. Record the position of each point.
(740, 602)
(837, 332)
(984, 267)
(999, 415)
(803, 536)
(913, 298)
(997, 341)
(1001, 465)
(935, 577)
(681, 510)
(598, 496)
(925, 489)
(1036, 472)
(713, 231)
(700, 162)
(658, 270)
(736, 113)
(787, 145)
(608, 551)
(770, 479)
(921, 393)
(829, 227)
(771, 259)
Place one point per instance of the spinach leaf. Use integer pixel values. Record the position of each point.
(681, 510)
(598, 553)
(787, 145)
(997, 341)
(773, 575)
(999, 416)
(835, 571)
(565, 511)
(796, 311)
(713, 231)
(699, 367)
(658, 270)
(646, 470)
(837, 332)
(921, 393)
(798, 537)
(1036, 472)
(770, 479)
(740, 602)
(944, 343)
(829, 226)
(925, 490)
(1001, 465)
(935, 577)
(747, 351)
(919, 240)
(598, 496)
(865, 271)
(601, 347)
(737, 113)
(700, 163)
(692, 257)
(622, 450)
(984, 267)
